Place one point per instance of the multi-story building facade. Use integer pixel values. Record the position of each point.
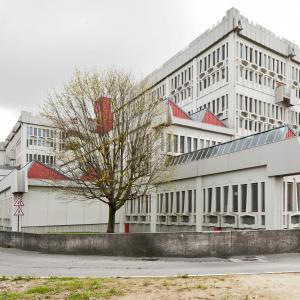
(242, 72)
(32, 138)
(232, 126)
(249, 78)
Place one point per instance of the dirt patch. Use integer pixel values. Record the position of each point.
(264, 286)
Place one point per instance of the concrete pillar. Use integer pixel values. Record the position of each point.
(194, 90)
(199, 204)
(232, 38)
(274, 202)
(122, 219)
(153, 212)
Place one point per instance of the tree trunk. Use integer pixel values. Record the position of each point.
(111, 220)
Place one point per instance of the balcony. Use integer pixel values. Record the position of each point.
(285, 95)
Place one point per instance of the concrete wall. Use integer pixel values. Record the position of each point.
(182, 244)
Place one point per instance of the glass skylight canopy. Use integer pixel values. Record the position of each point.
(267, 137)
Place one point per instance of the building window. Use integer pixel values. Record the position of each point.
(235, 198)
(177, 202)
(263, 197)
(189, 144)
(254, 192)
(171, 202)
(195, 144)
(244, 197)
(225, 192)
(218, 199)
(182, 138)
(182, 201)
(289, 196)
(209, 199)
(190, 201)
(176, 143)
(167, 203)
(204, 200)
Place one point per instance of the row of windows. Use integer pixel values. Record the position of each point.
(46, 159)
(295, 73)
(40, 142)
(261, 59)
(265, 109)
(183, 144)
(212, 79)
(291, 196)
(140, 205)
(257, 78)
(212, 59)
(182, 77)
(40, 132)
(216, 106)
(254, 126)
(159, 92)
(244, 198)
(183, 95)
(179, 202)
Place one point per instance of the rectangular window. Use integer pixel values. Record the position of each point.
(209, 199)
(182, 201)
(218, 199)
(182, 138)
(225, 192)
(235, 198)
(195, 200)
(190, 201)
(289, 196)
(177, 202)
(263, 197)
(254, 192)
(189, 144)
(161, 203)
(171, 202)
(176, 143)
(204, 200)
(298, 195)
(167, 203)
(195, 144)
(244, 197)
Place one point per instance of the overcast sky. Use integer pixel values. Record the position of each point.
(42, 41)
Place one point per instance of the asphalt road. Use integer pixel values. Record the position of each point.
(26, 263)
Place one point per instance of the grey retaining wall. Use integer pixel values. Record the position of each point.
(182, 244)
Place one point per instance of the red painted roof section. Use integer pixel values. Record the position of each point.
(90, 176)
(177, 111)
(211, 119)
(103, 111)
(289, 134)
(40, 171)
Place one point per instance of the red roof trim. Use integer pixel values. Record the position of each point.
(177, 111)
(211, 119)
(40, 171)
(289, 134)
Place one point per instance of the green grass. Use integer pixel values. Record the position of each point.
(72, 288)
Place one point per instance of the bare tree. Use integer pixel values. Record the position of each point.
(111, 145)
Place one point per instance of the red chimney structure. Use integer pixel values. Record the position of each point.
(104, 115)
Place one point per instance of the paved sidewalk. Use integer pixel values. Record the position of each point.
(19, 262)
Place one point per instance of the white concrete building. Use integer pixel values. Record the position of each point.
(32, 138)
(46, 207)
(250, 79)
(236, 81)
